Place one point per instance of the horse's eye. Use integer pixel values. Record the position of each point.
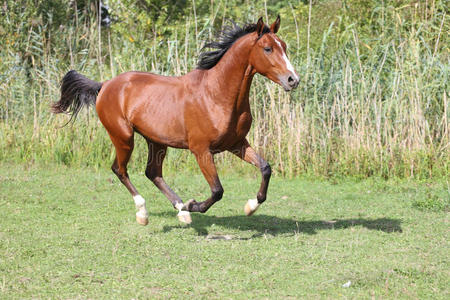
(268, 50)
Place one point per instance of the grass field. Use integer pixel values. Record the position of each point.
(71, 233)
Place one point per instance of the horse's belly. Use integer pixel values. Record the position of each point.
(159, 121)
(167, 132)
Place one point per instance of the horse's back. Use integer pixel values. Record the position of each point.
(134, 86)
(151, 104)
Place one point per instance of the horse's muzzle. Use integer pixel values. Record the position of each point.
(289, 82)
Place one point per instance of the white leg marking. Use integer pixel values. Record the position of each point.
(253, 204)
(139, 201)
(179, 206)
(183, 215)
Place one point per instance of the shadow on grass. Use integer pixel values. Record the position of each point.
(272, 225)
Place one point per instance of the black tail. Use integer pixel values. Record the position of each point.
(76, 92)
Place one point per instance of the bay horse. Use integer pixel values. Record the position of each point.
(206, 111)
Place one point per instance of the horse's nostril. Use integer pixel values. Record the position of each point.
(290, 79)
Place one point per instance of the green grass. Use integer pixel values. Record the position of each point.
(71, 233)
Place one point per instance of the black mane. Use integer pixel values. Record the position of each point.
(226, 38)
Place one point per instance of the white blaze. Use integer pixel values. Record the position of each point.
(289, 66)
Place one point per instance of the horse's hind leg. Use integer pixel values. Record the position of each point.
(156, 155)
(123, 141)
(247, 153)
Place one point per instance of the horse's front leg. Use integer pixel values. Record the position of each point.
(247, 153)
(205, 160)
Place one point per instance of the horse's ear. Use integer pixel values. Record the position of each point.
(276, 25)
(260, 26)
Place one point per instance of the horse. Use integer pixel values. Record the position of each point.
(206, 111)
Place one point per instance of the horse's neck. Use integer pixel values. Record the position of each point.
(232, 76)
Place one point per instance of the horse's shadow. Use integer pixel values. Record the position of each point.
(273, 225)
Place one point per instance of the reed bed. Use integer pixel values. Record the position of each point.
(366, 106)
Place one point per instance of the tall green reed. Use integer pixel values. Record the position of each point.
(370, 107)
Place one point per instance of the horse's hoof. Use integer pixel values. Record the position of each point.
(189, 204)
(251, 206)
(141, 219)
(184, 217)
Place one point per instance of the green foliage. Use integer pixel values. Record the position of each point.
(373, 100)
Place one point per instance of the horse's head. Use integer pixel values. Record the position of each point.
(268, 56)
